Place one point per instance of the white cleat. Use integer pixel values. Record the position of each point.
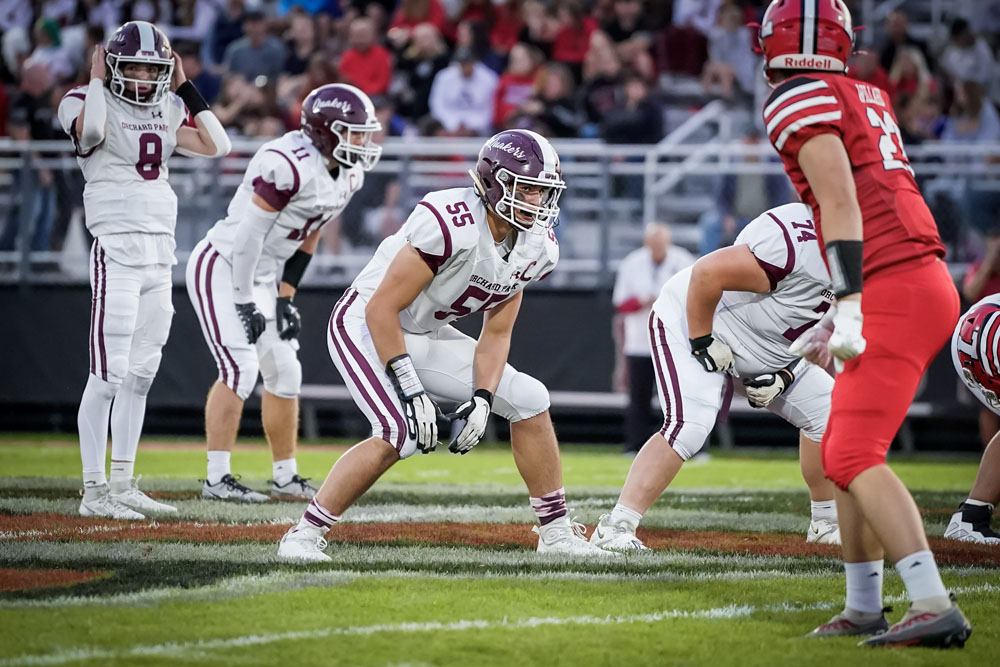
(104, 505)
(297, 488)
(822, 531)
(135, 499)
(615, 537)
(302, 547)
(564, 536)
(229, 488)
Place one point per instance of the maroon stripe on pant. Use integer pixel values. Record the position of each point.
(674, 382)
(100, 322)
(372, 376)
(215, 321)
(660, 378)
(198, 286)
(93, 311)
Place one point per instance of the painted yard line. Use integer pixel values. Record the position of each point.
(187, 649)
(393, 557)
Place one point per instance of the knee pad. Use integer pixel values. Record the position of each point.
(150, 337)
(139, 386)
(523, 397)
(687, 438)
(279, 367)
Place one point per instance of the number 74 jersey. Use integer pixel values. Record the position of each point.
(898, 226)
(126, 174)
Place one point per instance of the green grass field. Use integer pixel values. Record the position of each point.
(436, 566)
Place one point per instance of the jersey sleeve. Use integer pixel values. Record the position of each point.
(771, 244)
(549, 258)
(800, 109)
(428, 233)
(70, 108)
(179, 116)
(278, 180)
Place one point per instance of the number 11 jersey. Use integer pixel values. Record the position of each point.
(126, 174)
(898, 226)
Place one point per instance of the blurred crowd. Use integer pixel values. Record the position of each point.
(605, 69)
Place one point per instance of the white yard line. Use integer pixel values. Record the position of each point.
(184, 650)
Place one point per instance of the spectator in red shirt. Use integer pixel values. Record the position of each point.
(517, 83)
(864, 66)
(412, 13)
(366, 64)
(507, 24)
(573, 37)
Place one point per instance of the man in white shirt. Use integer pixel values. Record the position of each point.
(462, 95)
(641, 276)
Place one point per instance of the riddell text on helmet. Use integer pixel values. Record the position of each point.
(806, 62)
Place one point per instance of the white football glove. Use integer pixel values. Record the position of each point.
(811, 343)
(763, 389)
(418, 408)
(470, 421)
(713, 355)
(846, 341)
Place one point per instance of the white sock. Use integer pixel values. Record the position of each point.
(825, 510)
(621, 513)
(127, 415)
(920, 575)
(284, 470)
(92, 421)
(121, 474)
(864, 586)
(316, 519)
(218, 465)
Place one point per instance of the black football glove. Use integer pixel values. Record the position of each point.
(253, 320)
(763, 389)
(288, 319)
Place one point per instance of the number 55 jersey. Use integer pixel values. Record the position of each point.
(126, 174)
(471, 272)
(898, 226)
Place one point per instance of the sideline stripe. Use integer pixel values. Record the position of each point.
(189, 649)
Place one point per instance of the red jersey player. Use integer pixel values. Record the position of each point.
(841, 146)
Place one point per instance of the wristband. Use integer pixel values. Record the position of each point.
(404, 377)
(845, 259)
(295, 267)
(192, 98)
(486, 395)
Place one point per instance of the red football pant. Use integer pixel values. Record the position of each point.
(909, 315)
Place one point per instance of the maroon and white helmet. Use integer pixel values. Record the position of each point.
(139, 42)
(340, 121)
(514, 158)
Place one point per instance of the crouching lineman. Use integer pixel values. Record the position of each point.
(461, 250)
(293, 186)
(735, 311)
(974, 353)
(125, 125)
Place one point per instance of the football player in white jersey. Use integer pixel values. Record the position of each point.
(974, 351)
(461, 250)
(293, 186)
(125, 125)
(734, 313)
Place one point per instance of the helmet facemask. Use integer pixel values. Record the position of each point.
(348, 153)
(118, 83)
(543, 215)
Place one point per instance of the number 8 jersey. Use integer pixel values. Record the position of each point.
(898, 226)
(126, 174)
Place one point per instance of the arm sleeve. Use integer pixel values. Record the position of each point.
(96, 117)
(279, 179)
(428, 233)
(771, 245)
(246, 250)
(798, 110)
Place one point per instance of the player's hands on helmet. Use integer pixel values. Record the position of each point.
(418, 408)
(252, 319)
(713, 355)
(178, 77)
(289, 321)
(470, 421)
(811, 344)
(98, 63)
(763, 389)
(846, 341)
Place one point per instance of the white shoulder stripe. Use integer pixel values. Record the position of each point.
(794, 92)
(146, 40)
(772, 124)
(802, 122)
(549, 157)
(809, 27)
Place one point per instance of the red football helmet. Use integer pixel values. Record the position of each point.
(977, 346)
(806, 34)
